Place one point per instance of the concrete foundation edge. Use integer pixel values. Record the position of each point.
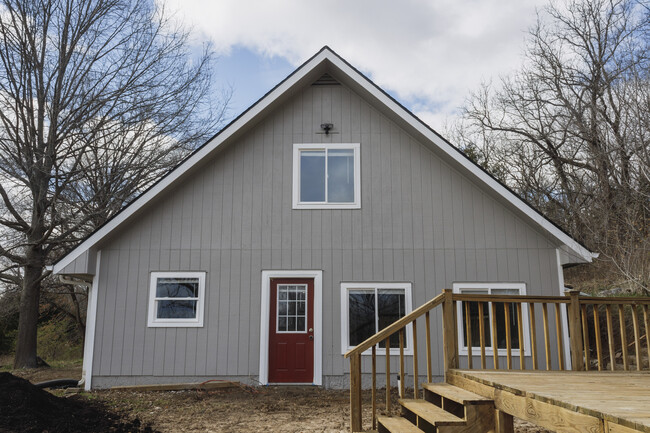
(329, 382)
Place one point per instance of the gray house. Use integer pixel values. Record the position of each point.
(321, 214)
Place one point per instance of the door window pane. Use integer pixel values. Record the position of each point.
(292, 308)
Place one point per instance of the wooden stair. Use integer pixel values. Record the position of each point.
(444, 409)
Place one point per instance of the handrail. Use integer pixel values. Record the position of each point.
(619, 300)
(527, 299)
(510, 298)
(396, 326)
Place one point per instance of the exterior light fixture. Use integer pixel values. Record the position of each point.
(326, 127)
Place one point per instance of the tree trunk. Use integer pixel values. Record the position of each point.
(81, 326)
(29, 302)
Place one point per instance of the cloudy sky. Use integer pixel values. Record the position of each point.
(429, 54)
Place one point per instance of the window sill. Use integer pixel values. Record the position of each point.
(327, 206)
(175, 325)
(382, 352)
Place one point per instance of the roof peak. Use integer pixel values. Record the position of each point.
(351, 76)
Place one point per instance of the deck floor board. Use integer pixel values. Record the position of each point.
(621, 397)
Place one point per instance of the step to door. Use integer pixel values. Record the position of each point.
(391, 424)
(447, 409)
(455, 394)
(430, 413)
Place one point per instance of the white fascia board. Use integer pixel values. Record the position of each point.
(194, 159)
(456, 156)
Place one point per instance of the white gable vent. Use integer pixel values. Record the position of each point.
(326, 80)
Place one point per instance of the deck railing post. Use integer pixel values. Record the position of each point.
(575, 332)
(448, 332)
(355, 393)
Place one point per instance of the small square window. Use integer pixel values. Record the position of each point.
(326, 176)
(176, 299)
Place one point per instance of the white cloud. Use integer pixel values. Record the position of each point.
(429, 53)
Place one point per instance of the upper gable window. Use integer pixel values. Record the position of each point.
(326, 176)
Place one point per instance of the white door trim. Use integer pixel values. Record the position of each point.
(318, 321)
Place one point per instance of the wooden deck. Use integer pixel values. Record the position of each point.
(586, 399)
(566, 401)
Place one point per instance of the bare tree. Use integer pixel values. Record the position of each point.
(572, 126)
(97, 99)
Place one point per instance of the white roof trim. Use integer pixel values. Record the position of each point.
(325, 54)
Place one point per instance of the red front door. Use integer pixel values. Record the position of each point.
(291, 331)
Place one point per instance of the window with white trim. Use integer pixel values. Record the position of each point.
(326, 176)
(474, 319)
(367, 308)
(176, 299)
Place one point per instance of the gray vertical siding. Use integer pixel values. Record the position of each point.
(420, 221)
(82, 265)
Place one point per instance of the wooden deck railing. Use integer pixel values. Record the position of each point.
(495, 314)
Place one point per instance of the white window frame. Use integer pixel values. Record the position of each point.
(297, 204)
(155, 322)
(345, 325)
(488, 287)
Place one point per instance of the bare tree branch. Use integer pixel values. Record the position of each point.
(570, 131)
(98, 99)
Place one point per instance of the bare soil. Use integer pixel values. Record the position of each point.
(240, 409)
(235, 409)
(36, 375)
(28, 409)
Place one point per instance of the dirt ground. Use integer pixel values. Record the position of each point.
(263, 409)
(35, 375)
(235, 409)
(26, 408)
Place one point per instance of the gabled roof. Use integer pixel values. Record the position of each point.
(327, 61)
